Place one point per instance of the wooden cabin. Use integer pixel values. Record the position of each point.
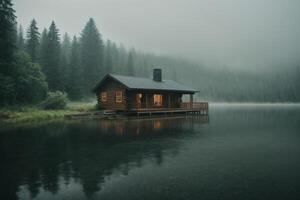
(126, 93)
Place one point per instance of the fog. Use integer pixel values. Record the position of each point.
(232, 33)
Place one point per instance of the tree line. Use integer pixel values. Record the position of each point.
(75, 64)
(34, 62)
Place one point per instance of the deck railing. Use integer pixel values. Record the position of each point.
(194, 105)
(183, 106)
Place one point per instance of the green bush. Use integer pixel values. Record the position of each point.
(55, 100)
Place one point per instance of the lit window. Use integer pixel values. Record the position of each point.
(103, 96)
(157, 99)
(119, 96)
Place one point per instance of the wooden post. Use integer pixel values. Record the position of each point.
(191, 101)
(146, 95)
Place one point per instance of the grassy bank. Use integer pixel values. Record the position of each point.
(27, 114)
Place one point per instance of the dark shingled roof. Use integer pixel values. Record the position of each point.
(139, 83)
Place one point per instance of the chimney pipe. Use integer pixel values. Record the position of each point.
(157, 75)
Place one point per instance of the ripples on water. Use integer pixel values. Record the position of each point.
(241, 152)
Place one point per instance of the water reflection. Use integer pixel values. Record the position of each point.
(244, 152)
(43, 160)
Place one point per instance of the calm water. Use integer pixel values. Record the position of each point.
(242, 152)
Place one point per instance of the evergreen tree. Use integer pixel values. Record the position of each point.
(145, 68)
(115, 57)
(33, 41)
(30, 83)
(50, 50)
(43, 48)
(7, 37)
(123, 57)
(75, 82)
(91, 56)
(20, 41)
(7, 51)
(130, 64)
(108, 66)
(66, 49)
(65, 58)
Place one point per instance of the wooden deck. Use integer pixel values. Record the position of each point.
(195, 108)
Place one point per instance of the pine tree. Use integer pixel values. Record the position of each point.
(33, 41)
(30, 83)
(91, 55)
(65, 58)
(66, 48)
(7, 51)
(50, 56)
(145, 67)
(108, 66)
(130, 64)
(20, 40)
(75, 82)
(123, 57)
(115, 57)
(43, 50)
(7, 36)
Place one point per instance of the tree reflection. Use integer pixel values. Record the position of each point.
(48, 156)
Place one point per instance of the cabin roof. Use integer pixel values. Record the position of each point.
(139, 83)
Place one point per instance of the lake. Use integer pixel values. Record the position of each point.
(238, 152)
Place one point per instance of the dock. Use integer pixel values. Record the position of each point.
(186, 108)
(195, 108)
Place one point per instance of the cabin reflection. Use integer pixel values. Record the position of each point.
(135, 127)
(52, 157)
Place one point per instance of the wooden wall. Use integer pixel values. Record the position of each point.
(111, 87)
(170, 100)
(129, 101)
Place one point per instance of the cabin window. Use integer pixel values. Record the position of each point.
(119, 96)
(157, 99)
(103, 96)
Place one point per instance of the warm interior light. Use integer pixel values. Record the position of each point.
(157, 99)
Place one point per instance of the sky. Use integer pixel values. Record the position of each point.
(218, 33)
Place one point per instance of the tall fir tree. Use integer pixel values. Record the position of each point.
(75, 79)
(51, 59)
(33, 41)
(65, 59)
(108, 62)
(115, 57)
(130, 64)
(7, 52)
(66, 49)
(7, 37)
(43, 48)
(91, 55)
(21, 40)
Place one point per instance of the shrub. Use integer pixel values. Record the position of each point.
(30, 85)
(55, 100)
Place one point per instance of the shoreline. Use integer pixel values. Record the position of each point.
(32, 114)
(10, 116)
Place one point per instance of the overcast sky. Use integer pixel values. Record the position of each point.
(234, 33)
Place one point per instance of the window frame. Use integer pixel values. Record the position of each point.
(119, 96)
(103, 96)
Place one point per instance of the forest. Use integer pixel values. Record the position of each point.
(34, 62)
